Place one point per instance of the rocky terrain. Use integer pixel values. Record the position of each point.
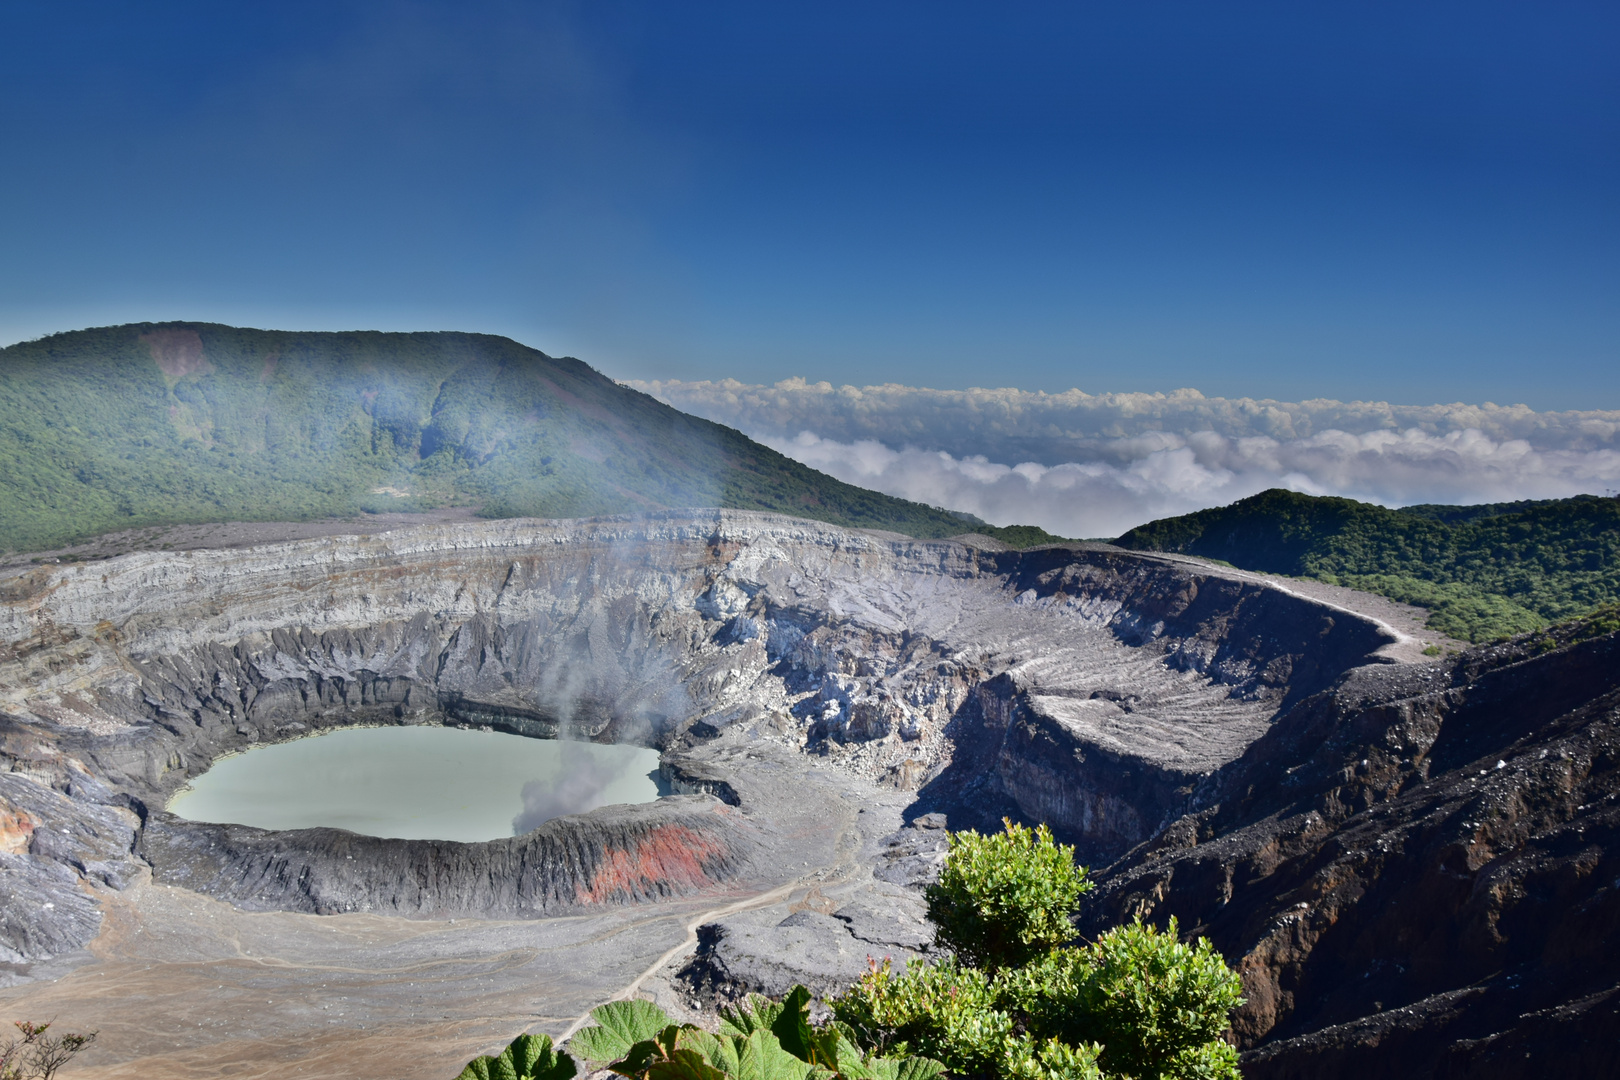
(1417, 868)
(828, 701)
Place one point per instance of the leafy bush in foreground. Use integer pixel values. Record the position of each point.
(1136, 1002)
(763, 1040)
(1017, 1002)
(1003, 900)
(944, 1010)
(1153, 1002)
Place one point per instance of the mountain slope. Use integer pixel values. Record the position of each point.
(169, 423)
(1414, 869)
(1484, 572)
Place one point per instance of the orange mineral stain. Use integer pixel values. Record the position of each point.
(16, 830)
(671, 856)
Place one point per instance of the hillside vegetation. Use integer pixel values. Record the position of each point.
(172, 423)
(1483, 571)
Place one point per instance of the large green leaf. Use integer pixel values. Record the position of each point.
(837, 1052)
(684, 1064)
(788, 1020)
(643, 1055)
(758, 1013)
(791, 1025)
(761, 1057)
(620, 1025)
(636, 1060)
(529, 1057)
(720, 1051)
(911, 1068)
(832, 1048)
(757, 1056)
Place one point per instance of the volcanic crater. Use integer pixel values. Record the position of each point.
(824, 700)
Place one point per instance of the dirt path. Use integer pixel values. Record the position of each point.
(1406, 621)
(764, 899)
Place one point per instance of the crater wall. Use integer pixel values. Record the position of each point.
(622, 854)
(1085, 686)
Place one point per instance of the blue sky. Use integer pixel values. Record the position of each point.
(1410, 203)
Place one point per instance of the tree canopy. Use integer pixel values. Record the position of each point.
(1484, 572)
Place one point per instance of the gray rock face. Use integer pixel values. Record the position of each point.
(824, 943)
(618, 854)
(1416, 872)
(762, 952)
(45, 913)
(50, 842)
(1088, 687)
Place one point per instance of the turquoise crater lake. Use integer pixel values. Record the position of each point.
(418, 783)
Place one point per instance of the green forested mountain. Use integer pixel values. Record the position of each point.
(1483, 571)
(170, 423)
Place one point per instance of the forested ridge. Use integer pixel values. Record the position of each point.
(171, 423)
(1484, 571)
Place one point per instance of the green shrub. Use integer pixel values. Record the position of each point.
(1004, 900)
(1137, 1002)
(944, 1011)
(763, 1040)
(1029, 1059)
(956, 1015)
(1158, 1006)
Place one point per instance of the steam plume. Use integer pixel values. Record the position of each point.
(581, 780)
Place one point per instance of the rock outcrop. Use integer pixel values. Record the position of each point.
(1416, 872)
(619, 854)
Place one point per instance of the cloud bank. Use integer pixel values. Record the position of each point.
(1082, 464)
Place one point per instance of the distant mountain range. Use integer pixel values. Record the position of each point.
(176, 423)
(170, 423)
(1483, 571)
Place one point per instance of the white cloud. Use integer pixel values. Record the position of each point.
(1094, 465)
